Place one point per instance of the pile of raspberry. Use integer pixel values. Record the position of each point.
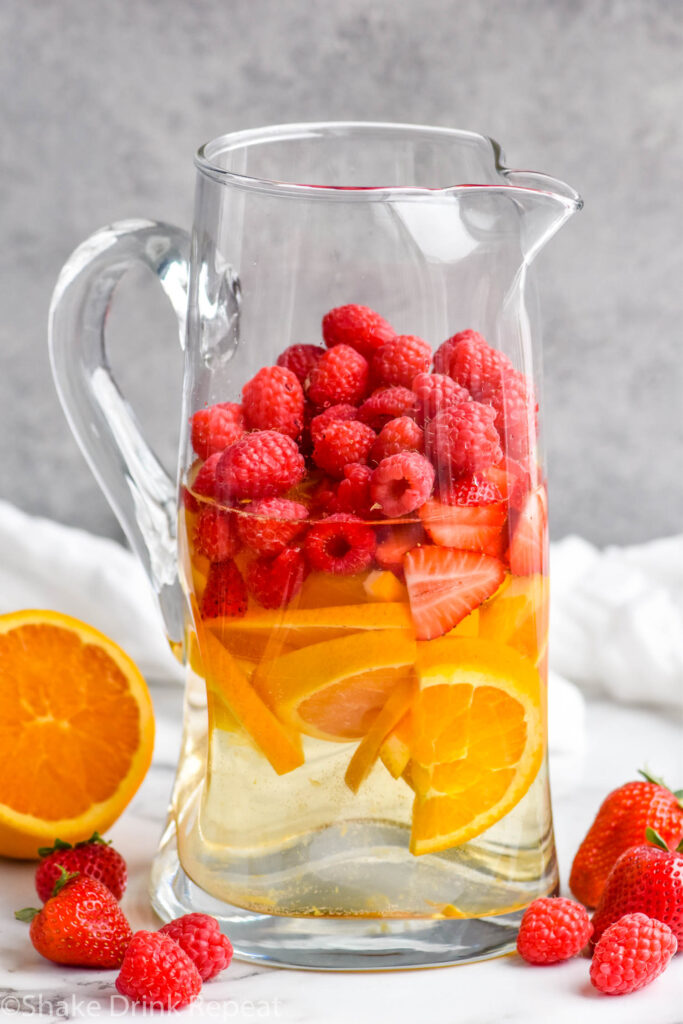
(331, 446)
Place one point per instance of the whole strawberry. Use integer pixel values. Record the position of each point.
(201, 938)
(94, 857)
(631, 953)
(646, 879)
(621, 823)
(82, 924)
(158, 973)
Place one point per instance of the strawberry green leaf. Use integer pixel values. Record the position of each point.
(59, 844)
(94, 838)
(27, 914)
(679, 848)
(652, 778)
(655, 839)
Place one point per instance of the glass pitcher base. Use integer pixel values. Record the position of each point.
(332, 944)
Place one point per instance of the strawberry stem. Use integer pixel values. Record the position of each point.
(27, 914)
(655, 839)
(64, 877)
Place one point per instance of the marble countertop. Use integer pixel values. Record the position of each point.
(502, 991)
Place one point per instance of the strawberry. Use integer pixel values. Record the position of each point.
(445, 585)
(81, 924)
(225, 592)
(529, 543)
(646, 879)
(393, 542)
(621, 823)
(93, 857)
(468, 527)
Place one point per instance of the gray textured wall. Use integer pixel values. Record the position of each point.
(103, 104)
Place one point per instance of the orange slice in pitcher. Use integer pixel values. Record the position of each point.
(477, 742)
(395, 751)
(334, 690)
(268, 634)
(517, 615)
(367, 751)
(226, 679)
(76, 731)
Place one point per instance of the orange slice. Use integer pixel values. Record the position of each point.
(322, 589)
(382, 585)
(395, 751)
(76, 731)
(334, 690)
(477, 741)
(517, 615)
(265, 634)
(368, 749)
(226, 678)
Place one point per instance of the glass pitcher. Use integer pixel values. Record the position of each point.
(352, 562)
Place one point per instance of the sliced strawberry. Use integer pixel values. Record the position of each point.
(513, 479)
(445, 585)
(394, 541)
(468, 527)
(529, 545)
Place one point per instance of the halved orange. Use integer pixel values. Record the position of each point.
(76, 731)
(477, 739)
(334, 690)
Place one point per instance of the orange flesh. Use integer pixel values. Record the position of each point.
(56, 692)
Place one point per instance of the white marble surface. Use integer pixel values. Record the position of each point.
(503, 991)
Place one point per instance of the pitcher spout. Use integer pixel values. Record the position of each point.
(547, 204)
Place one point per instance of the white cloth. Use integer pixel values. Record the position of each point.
(616, 623)
(616, 619)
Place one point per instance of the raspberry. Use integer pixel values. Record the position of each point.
(268, 526)
(259, 465)
(401, 483)
(225, 592)
(553, 929)
(200, 937)
(215, 534)
(158, 973)
(399, 435)
(476, 366)
(400, 360)
(324, 497)
(471, 490)
(444, 353)
(516, 414)
(341, 375)
(462, 439)
(435, 391)
(335, 412)
(342, 544)
(353, 492)
(387, 404)
(340, 443)
(631, 953)
(300, 359)
(205, 481)
(275, 581)
(213, 429)
(274, 400)
(357, 326)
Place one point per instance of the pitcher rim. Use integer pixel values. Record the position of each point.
(512, 180)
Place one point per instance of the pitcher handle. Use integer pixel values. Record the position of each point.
(138, 488)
